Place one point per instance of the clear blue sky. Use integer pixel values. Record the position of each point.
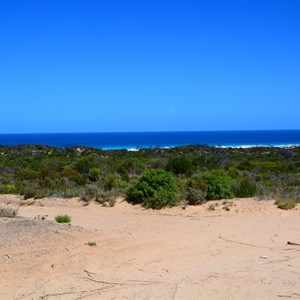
(101, 66)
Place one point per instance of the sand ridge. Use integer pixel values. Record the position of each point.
(176, 253)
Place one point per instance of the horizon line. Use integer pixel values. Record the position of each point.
(162, 131)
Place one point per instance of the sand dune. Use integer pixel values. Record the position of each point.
(191, 253)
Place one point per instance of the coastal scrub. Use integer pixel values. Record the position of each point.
(155, 189)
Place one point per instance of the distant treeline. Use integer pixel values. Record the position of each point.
(154, 177)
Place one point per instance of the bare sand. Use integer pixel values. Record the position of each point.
(176, 253)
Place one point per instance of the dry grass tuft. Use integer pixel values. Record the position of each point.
(7, 212)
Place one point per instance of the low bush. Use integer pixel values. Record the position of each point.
(195, 196)
(108, 198)
(91, 244)
(89, 192)
(155, 189)
(286, 204)
(8, 212)
(34, 190)
(63, 219)
(76, 191)
(28, 193)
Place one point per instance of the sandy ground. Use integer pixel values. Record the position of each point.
(177, 253)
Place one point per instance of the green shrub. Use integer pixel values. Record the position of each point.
(121, 184)
(94, 174)
(197, 182)
(218, 185)
(131, 166)
(110, 181)
(246, 187)
(33, 190)
(70, 172)
(233, 172)
(155, 189)
(286, 204)
(180, 165)
(8, 189)
(48, 172)
(84, 165)
(205, 162)
(80, 180)
(63, 219)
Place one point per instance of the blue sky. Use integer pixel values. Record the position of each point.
(102, 66)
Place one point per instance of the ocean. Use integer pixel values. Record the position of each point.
(136, 140)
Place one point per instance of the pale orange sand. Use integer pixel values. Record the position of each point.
(143, 254)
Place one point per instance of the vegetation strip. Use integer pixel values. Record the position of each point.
(155, 177)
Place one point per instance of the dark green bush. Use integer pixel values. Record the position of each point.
(246, 187)
(70, 172)
(84, 165)
(94, 174)
(48, 172)
(180, 165)
(110, 181)
(197, 182)
(131, 166)
(121, 184)
(218, 185)
(205, 162)
(155, 189)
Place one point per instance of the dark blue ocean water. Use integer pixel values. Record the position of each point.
(133, 140)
